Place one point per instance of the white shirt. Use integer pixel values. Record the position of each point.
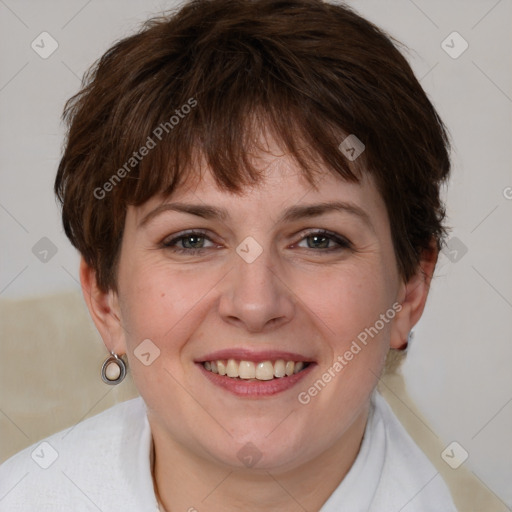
(104, 463)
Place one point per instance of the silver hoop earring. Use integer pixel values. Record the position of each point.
(113, 370)
(410, 337)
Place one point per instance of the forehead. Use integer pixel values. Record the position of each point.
(281, 186)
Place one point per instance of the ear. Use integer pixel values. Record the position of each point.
(104, 310)
(413, 297)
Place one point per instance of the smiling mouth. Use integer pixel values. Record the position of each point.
(250, 370)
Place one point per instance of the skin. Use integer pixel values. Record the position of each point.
(307, 299)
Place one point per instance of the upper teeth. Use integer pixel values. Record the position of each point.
(263, 370)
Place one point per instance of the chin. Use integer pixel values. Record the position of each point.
(258, 450)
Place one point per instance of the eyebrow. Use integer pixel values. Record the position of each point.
(291, 214)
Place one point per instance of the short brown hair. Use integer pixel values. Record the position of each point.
(309, 72)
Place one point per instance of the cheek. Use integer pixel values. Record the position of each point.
(355, 339)
(160, 302)
(347, 300)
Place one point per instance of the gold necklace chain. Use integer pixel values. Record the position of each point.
(161, 508)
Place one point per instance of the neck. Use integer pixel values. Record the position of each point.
(185, 481)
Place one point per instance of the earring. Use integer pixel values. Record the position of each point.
(410, 337)
(113, 370)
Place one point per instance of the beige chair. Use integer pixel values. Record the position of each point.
(51, 355)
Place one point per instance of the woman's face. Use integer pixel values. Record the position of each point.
(258, 284)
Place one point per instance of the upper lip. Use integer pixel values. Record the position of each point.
(245, 354)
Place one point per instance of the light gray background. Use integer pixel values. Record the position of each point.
(459, 367)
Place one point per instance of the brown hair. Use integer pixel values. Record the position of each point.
(201, 81)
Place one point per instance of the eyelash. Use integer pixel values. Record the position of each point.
(343, 243)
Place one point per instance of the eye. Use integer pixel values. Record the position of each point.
(189, 242)
(323, 239)
(194, 242)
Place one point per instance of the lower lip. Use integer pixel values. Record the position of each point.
(255, 388)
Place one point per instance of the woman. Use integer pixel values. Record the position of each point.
(253, 187)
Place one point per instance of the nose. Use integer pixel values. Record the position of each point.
(255, 295)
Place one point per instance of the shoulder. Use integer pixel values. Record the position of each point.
(85, 467)
(408, 479)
